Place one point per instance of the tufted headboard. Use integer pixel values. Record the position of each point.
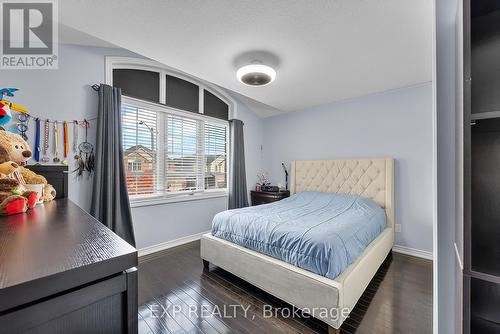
(371, 178)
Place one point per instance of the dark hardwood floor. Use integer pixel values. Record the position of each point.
(177, 296)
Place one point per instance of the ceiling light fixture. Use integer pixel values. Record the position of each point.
(256, 74)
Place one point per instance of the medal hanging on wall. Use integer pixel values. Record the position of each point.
(56, 143)
(66, 143)
(37, 140)
(46, 141)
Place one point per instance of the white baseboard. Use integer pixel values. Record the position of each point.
(413, 252)
(169, 244)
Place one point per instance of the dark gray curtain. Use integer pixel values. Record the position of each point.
(110, 202)
(238, 197)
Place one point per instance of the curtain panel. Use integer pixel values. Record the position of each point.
(238, 196)
(110, 201)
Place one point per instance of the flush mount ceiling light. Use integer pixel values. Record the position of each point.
(256, 74)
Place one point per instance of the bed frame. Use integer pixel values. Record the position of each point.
(371, 178)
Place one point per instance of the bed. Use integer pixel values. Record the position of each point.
(305, 289)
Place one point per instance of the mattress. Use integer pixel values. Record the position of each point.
(320, 232)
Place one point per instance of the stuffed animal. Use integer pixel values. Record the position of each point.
(6, 106)
(30, 177)
(13, 148)
(13, 197)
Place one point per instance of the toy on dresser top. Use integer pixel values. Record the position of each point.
(15, 179)
(6, 106)
(14, 198)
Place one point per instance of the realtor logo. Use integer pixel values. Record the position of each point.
(29, 34)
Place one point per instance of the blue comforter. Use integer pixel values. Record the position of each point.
(320, 232)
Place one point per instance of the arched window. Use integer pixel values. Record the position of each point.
(176, 126)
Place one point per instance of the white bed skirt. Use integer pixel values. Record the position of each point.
(301, 288)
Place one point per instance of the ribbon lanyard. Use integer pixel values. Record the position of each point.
(37, 140)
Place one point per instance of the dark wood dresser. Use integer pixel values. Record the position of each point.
(62, 271)
(264, 197)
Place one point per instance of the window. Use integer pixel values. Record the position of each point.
(135, 166)
(182, 94)
(139, 149)
(215, 107)
(184, 156)
(169, 154)
(138, 83)
(215, 156)
(171, 146)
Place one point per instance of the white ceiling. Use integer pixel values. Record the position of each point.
(68, 35)
(325, 50)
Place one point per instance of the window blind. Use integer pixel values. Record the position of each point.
(215, 148)
(184, 154)
(166, 153)
(139, 131)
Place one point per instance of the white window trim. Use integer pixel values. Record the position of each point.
(159, 200)
(149, 65)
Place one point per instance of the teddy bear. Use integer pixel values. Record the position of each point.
(30, 177)
(13, 197)
(13, 148)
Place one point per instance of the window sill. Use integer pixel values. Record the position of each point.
(135, 203)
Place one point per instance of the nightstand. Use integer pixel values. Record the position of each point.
(264, 197)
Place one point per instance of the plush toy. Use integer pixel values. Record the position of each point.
(13, 197)
(13, 148)
(30, 177)
(6, 106)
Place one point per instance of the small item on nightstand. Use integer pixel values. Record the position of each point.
(263, 180)
(286, 175)
(270, 188)
(258, 187)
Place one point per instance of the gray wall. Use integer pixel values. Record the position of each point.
(65, 94)
(157, 224)
(396, 123)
